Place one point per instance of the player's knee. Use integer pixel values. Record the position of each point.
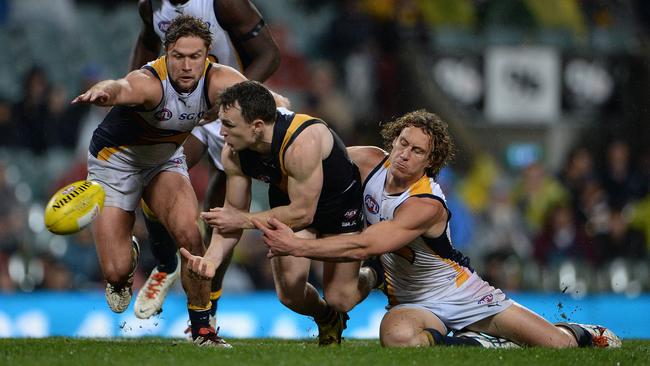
(188, 237)
(289, 299)
(398, 338)
(117, 273)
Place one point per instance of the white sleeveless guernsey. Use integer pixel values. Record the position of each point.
(426, 267)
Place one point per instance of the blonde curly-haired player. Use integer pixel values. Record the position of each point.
(430, 287)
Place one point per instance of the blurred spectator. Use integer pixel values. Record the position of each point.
(13, 217)
(291, 79)
(501, 230)
(620, 241)
(577, 171)
(536, 193)
(325, 100)
(8, 129)
(594, 208)
(81, 258)
(562, 238)
(56, 276)
(31, 111)
(621, 182)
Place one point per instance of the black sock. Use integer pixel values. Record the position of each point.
(215, 295)
(163, 246)
(437, 338)
(199, 318)
(328, 317)
(583, 338)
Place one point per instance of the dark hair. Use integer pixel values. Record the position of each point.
(430, 124)
(185, 26)
(255, 100)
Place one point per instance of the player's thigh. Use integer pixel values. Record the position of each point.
(404, 326)
(171, 197)
(524, 327)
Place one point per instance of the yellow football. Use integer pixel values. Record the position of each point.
(74, 206)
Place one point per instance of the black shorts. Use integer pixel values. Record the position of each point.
(338, 214)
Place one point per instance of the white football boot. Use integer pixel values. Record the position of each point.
(486, 341)
(118, 299)
(152, 294)
(601, 337)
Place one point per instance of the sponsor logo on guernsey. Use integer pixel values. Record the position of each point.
(350, 214)
(163, 115)
(486, 299)
(264, 178)
(164, 25)
(371, 204)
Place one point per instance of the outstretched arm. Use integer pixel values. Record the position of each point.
(139, 87)
(237, 198)
(417, 216)
(147, 46)
(251, 36)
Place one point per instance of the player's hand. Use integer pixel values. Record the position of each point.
(210, 115)
(199, 267)
(226, 220)
(279, 237)
(93, 96)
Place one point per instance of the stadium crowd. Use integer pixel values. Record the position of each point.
(582, 225)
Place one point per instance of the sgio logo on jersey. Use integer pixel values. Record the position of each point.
(190, 116)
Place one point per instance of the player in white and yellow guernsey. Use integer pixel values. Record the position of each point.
(430, 286)
(240, 40)
(136, 153)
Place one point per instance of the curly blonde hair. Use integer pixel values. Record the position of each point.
(430, 124)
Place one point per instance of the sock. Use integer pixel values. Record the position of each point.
(199, 318)
(215, 295)
(582, 336)
(163, 246)
(436, 338)
(329, 316)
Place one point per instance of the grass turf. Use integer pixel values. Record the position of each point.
(156, 351)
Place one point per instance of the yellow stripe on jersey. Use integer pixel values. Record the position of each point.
(160, 65)
(461, 273)
(297, 121)
(107, 152)
(390, 291)
(386, 163)
(422, 186)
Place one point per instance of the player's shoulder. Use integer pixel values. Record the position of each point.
(366, 158)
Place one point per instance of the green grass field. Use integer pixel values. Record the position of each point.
(160, 352)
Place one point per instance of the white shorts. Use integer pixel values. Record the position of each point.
(210, 136)
(124, 182)
(473, 301)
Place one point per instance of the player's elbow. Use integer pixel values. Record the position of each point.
(302, 218)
